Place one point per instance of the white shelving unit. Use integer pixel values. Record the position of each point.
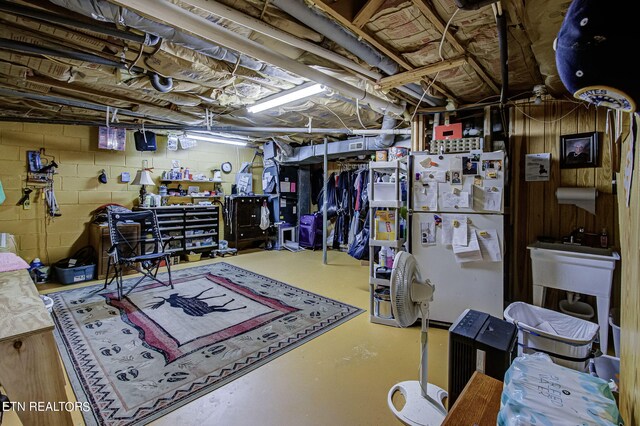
(384, 196)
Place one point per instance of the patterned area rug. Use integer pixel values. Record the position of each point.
(137, 359)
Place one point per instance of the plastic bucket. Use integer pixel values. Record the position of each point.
(614, 321)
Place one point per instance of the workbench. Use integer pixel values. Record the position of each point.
(478, 404)
(30, 367)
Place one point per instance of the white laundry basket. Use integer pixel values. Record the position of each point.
(565, 338)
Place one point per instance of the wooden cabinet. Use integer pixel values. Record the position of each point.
(242, 219)
(100, 240)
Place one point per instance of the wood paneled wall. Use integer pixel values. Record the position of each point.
(535, 212)
(630, 309)
(535, 209)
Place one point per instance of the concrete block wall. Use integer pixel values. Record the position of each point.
(76, 185)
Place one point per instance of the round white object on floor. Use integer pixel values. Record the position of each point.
(48, 302)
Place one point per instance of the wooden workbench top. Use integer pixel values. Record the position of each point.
(23, 312)
(478, 404)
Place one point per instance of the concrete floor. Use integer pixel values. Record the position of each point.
(339, 378)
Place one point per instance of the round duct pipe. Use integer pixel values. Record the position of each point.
(148, 40)
(161, 84)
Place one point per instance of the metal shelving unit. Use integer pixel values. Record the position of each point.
(384, 196)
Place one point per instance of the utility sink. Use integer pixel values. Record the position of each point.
(573, 248)
(577, 269)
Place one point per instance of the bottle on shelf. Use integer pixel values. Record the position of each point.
(604, 238)
(382, 257)
(391, 254)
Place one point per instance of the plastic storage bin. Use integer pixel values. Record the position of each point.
(75, 275)
(554, 333)
(384, 191)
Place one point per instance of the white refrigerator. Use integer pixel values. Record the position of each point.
(456, 230)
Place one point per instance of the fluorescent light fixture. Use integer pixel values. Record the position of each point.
(286, 97)
(215, 139)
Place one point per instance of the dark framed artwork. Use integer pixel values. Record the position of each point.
(579, 150)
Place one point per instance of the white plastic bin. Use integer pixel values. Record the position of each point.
(384, 191)
(555, 333)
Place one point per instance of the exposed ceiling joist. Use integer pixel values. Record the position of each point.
(198, 26)
(416, 74)
(223, 56)
(362, 34)
(439, 25)
(240, 18)
(367, 11)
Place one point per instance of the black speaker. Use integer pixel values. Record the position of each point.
(479, 341)
(145, 140)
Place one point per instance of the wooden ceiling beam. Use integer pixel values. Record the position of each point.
(359, 32)
(439, 88)
(439, 25)
(367, 11)
(417, 74)
(362, 34)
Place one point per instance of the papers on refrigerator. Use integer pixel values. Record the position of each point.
(470, 252)
(454, 200)
(426, 197)
(427, 233)
(433, 176)
(487, 198)
(454, 223)
(489, 245)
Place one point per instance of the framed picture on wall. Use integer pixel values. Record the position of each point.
(579, 150)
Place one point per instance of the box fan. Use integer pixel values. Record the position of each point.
(410, 297)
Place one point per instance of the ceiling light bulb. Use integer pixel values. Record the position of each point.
(286, 97)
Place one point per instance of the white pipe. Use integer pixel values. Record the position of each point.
(178, 17)
(254, 24)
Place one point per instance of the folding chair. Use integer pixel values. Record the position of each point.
(136, 243)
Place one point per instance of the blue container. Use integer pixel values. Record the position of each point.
(75, 275)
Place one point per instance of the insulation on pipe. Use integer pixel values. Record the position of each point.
(175, 15)
(109, 12)
(148, 40)
(162, 84)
